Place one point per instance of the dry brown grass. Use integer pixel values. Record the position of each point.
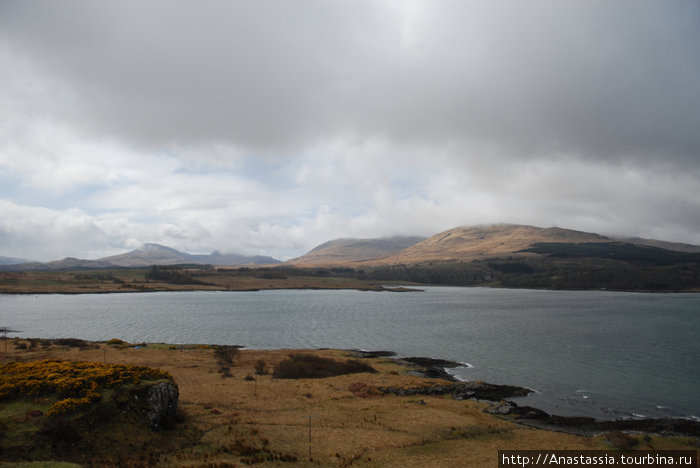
(464, 244)
(475, 243)
(264, 419)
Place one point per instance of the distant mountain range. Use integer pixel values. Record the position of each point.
(147, 255)
(508, 255)
(518, 256)
(463, 244)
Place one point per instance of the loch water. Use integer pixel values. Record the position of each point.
(604, 354)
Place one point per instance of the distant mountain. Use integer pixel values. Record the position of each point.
(13, 260)
(341, 251)
(518, 256)
(458, 244)
(147, 255)
(519, 242)
(156, 254)
(232, 259)
(480, 242)
(507, 255)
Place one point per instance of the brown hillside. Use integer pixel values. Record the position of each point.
(344, 251)
(479, 242)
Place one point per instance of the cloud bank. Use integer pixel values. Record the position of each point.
(267, 127)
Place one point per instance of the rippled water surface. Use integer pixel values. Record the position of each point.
(596, 353)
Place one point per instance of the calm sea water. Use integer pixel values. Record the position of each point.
(597, 353)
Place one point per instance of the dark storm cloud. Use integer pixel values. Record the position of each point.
(255, 73)
(597, 79)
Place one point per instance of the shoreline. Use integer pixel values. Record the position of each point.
(535, 417)
(497, 395)
(135, 280)
(235, 407)
(151, 291)
(412, 288)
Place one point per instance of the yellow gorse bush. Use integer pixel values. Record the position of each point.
(76, 383)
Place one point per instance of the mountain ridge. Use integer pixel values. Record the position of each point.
(459, 244)
(465, 244)
(147, 255)
(501, 255)
(469, 243)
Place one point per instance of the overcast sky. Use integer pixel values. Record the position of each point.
(268, 127)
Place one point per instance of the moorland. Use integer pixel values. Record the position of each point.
(274, 408)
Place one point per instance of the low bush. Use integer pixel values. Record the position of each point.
(226, 354)
(73, 343)
(117, 342)
(260, 367)
(308, 366)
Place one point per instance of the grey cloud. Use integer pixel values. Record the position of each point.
(599, 79)
(253, 124)
(254, 73)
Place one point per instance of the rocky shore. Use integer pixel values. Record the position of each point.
(498, 395)
(580, 425)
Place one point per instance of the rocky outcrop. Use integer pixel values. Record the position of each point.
(362, 354)
(431, 368)
(161, 403)
(462, 391)
(579, 425)
(149, 403)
